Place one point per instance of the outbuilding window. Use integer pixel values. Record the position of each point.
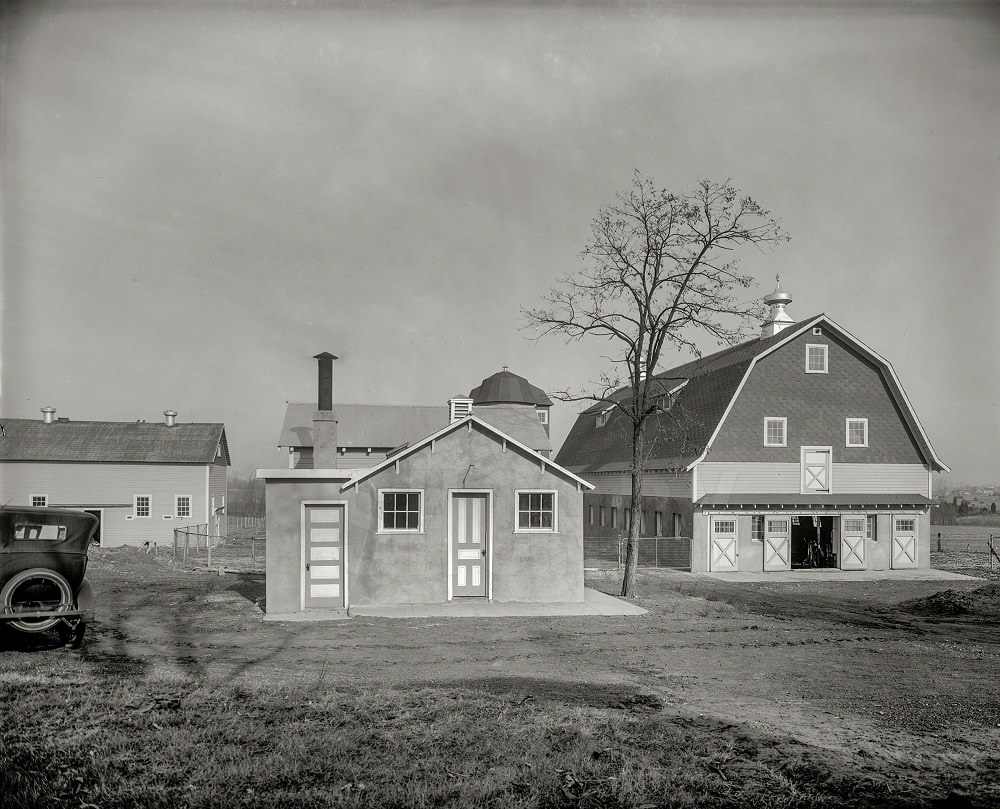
(182, 506)
(536, 511)
(757, 527)
(400, 511)
(142, 505)
(816, 358)
(39, 500)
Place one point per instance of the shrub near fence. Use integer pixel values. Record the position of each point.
(665, 552)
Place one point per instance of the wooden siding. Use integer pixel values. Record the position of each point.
(746, 478)
(654, 484)
(873, 478)
(816, 407)
(784, 478)
(302, 458)
(112, 487)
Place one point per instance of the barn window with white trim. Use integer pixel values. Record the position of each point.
(536, 511)
(400, 510)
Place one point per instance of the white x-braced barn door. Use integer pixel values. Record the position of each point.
(852, 541)
(815, 470)
(904, 542)
(778, 544)
(722, 550)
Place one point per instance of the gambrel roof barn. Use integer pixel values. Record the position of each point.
(804, 426)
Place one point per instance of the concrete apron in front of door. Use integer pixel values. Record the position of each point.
(833, 574)
(594, 604)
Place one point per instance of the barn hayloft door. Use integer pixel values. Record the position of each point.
(469, 543)
(904, 542)
(325, 528)
(778, 544)
(852, 541)
(723, 545)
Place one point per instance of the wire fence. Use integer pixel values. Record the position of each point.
(241, 548)
(608, 553)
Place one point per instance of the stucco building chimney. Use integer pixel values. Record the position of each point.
(324, 419)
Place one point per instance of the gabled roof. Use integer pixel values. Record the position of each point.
(504, 386)
(111, 442)
(469, 421)
(363, 426)
(713, 384)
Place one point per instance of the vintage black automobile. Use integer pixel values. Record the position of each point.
(43, 566)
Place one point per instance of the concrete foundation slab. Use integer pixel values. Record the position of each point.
(594, 603)
(832, 575)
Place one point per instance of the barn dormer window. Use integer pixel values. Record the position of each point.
(857, 432)
(775, 432)
(603, 417)
(816, 358)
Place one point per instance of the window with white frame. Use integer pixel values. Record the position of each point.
(182, 506)
(816, 358)
(400, 510)
(775, 432)
(757, 527)
(142, 505)
(39, 500)
(871, 530)
(536, 511)
(857, 432)
(543, 415)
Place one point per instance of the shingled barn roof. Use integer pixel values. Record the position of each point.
(363, 426)
(680, 438)
(111, 441)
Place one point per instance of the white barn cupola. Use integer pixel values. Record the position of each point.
(777, 318)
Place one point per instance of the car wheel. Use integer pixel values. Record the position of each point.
(39, 588)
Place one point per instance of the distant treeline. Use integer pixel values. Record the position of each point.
(245, 495)
(960, 512)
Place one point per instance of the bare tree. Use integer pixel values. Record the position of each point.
(657, 272)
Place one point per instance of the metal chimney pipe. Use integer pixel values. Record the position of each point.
(325, 394)
(48, 414)
(171, 416)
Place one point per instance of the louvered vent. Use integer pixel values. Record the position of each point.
(458, 409)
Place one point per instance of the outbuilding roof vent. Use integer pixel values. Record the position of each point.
(48, 414)
(458, 408)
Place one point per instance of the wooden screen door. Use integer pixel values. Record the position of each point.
(469, 544)
(324, 556)
(852, 541)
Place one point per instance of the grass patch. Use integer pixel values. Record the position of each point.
(124, 743)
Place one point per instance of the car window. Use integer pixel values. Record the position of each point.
(27, 530)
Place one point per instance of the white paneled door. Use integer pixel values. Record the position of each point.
(469, 544)
(852, 541)
(324, 556)
(723, 545)
(778, 544)
(904, 542)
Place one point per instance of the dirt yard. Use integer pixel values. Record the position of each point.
(844, 694)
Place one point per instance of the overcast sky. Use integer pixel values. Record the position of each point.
(197, 196)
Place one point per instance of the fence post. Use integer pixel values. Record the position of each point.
(208, 546)
(187, 540)
(656, 551)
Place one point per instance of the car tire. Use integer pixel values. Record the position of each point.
(12, 595)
